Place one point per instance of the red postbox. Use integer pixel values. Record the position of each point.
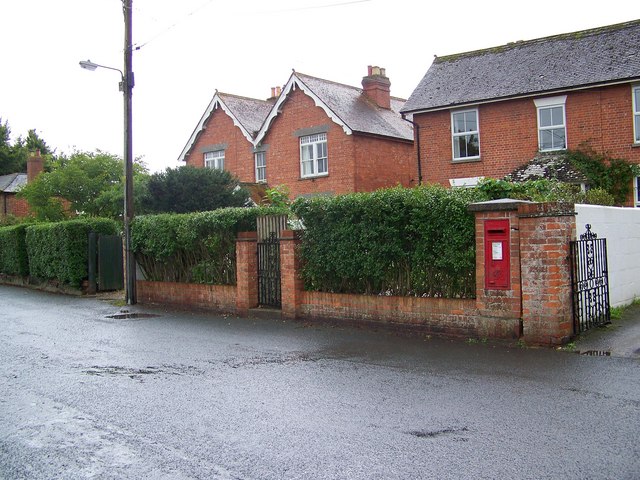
(497, 258)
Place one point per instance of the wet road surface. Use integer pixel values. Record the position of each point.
(199, 396)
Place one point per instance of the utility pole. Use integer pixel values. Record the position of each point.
(127, 89)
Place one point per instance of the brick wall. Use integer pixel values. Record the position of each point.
(283, 154)
(600, 118)
(246, 272)
(238, 156)
(545, 233)
(220, 298)
(384, 163)
(11, 205)
(534, 305)
(498, 303)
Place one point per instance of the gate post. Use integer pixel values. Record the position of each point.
(246, 272)
(501, 300)
(291, 282)
(546, 230)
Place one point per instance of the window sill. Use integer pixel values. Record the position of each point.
(466, 160)
(313, 177)
(553, 150)
(635, 145)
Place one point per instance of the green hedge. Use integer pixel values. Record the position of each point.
(397, 241)
(193, 247)
(13, 251)
(58, 251)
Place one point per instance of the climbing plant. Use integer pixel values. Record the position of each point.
(614, 175)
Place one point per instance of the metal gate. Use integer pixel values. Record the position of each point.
(105, 267)
(269, 290)
(590, 281)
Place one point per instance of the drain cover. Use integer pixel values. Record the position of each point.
(132, 315)
(596, 353)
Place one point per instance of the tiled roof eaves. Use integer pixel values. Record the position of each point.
(216, 101)
(539, 93)
(295, 80)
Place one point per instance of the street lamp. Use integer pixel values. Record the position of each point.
(126, 87)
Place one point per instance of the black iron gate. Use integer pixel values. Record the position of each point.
(269, 293)
(590, 281)
(269, 290)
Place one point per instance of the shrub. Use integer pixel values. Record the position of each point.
(396, 241)
(58, 251)
(13, 251)
(195, 247)
(190, 189)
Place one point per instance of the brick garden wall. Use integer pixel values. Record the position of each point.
(535, 305)
(220, 298)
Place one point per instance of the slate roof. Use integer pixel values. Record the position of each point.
(13, 182)
(351, 105)
(247, 113)
(552, 166)
(592, 57)
(250, 112)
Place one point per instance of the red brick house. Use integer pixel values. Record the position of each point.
(314, 136)
(11, 184)
(487, 112)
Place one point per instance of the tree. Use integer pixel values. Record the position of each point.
(13, 158)
(10, 159)
(190, 189)
(84, 183)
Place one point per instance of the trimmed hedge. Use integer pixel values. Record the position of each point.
(193, 247)
(13, 251)
(59, 251)
(418, 242)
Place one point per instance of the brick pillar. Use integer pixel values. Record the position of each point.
(545, 232)
(503, 301)
(291, 283)
(246, 272)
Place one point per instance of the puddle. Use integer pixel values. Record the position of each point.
(285, 359)
(437, 433)
(139, 372)
(120, 316)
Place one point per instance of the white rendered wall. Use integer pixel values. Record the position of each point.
(621, 228)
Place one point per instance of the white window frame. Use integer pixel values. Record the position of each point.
(318, 155)
(214, 159)
(635, 105)
(455, 136)
(636, 191)
(548, 103)
(261, 166)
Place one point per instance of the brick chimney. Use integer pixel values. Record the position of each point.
(377, 87)
(35, 165)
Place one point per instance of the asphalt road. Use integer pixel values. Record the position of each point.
(195, 396)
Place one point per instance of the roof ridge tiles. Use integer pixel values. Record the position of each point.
(241, 97)
(520, 43)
